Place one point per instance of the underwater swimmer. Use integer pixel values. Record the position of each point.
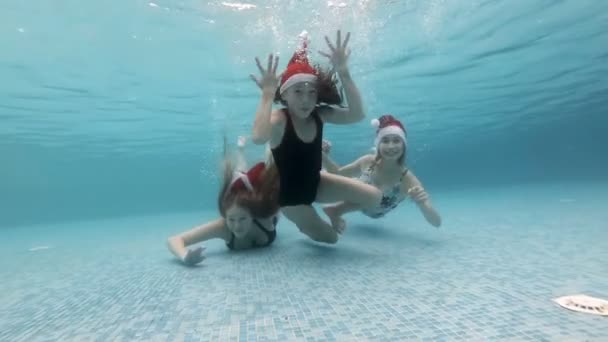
(309, 97)
(248, 205)
(386, 170)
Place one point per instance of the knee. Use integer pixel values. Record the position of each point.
(330, 236)
(375, 197)
(331, 239)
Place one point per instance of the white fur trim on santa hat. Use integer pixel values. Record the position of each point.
(242, 176)
(297, 78)
(388, 130)
(304, 36)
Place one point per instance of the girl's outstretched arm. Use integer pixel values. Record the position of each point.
(265, 118)
(354, 112)
(177, 244)
(413, 187)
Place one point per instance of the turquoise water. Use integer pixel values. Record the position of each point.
(111, 123)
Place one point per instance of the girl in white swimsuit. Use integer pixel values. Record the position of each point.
(391, 196)
(385, 170)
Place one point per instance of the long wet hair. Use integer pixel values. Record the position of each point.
(327, 89)
(262, 202)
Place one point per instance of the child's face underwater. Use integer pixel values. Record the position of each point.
(238, 220)
(391, 147)
(301, 98)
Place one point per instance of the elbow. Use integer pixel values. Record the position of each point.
(172, 241)
(259, 139)
(436, 221)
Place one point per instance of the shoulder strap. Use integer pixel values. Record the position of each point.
(231, 243)
(404, 173)
(257, 223)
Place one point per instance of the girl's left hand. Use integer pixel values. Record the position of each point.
(194, 256)
(339, 53)
(418, 194)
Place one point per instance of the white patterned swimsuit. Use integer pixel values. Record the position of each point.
(390, 197)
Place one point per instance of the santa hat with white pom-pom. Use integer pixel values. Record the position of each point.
(299, 69)
(388, 125)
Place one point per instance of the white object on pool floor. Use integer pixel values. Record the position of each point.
(33, 249)
(583, 303)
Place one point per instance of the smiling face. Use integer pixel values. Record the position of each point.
(391, 147)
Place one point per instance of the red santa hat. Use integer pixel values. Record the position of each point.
(298, 70)
(247, 180)
(387, 125)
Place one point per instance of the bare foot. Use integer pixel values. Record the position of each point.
(337, 222)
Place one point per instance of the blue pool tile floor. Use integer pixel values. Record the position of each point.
(488, 274)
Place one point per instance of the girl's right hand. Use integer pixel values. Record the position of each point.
(194, 256)
(418, 194)
(326, 146)
(268, 82)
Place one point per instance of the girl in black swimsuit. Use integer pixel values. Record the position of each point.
(248, 204)
(295, 133)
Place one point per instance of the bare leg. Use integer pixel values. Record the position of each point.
(335, 188)
(310, 223)
(354, 193)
